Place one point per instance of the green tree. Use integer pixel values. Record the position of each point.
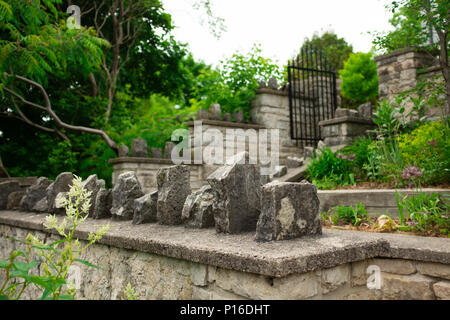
(335, 49)
(359, 78)
(417, 23)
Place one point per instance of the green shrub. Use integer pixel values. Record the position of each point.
(428, 147)
(345, 215)
(359, 78)
(328, 170)
(427, 213)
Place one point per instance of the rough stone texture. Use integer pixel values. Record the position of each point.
(238, 116)
(340, 112)
(202, 114)
(139, 148)
(62, 184)
(280, 171)
(434, 270)
(103, 204)
(442, 290)
(400, 287)
(294, 162)
(366, 110)
(41, 206)
(289, 210)
(227, 117)
(156, 153)
(34, 193)
(273, 84)
(173, 189)
(168, 150)
(237, 190)
(94, 185)
(59, 207)
(124, 151)
(308, 152)
(5, 189)
(397, 266)
(124, 193)
(215, 112)
(14, 200)
(145, 208)
(336, 277)
(198, 209)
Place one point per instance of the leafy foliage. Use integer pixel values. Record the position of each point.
(347, 214)
(359, 78)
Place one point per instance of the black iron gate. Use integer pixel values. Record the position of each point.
(312, 95)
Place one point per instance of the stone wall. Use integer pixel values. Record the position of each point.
(175, 263)
(401, 71)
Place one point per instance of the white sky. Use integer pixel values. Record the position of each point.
(280, 26)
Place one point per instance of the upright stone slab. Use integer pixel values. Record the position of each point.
(366, 110)
(123, 151)
(6, 188)
(35, 193)
(202, 114)
(215, 112)
(103, 204)
(139, 148)
(289, 210)
(173, 189)
(237, 192)
(156, 153)
(238, 116)
(198, 209)
(227, 117)
(294, 162)
(168, 150)
(94, 185)
(62, 184)
(145, 209)
(126, 190)
(14, 200)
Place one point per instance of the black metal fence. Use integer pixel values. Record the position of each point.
(312, 95)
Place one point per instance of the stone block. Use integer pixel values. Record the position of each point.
(173, 189)
(215, 112)
(442, 290)
(168, 150)
(202, 114)
(123, 151)
(145, 209)
(14, 200)
(294, 162)
(93, 185)
(198, 209)
(103, 204)
(437, 270)
(400, 287)
(336, 277)
(7, 188)
(238, 116)
(289, 210)
(139, 148)
(34, 193)
(397, 266)
(156, 153)
(126, 190)
(237, 190)
(62, 184)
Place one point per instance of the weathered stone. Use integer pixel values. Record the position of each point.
(126, 190)
(262, 85)
(198, 209)
(34, 193)
(156, 153)
(340, 112)
(5, 189)
(139, 148)
(145, 209)
(442, 290)
(437, 270)
(237, 190)
(334, 278)
(321, 145)
(279, 171)
(238, 116)
(62, 184)
(173, 189)
(273, 84)
(416, 287)
(103, 204)
(227, 117)
(397, 266)
(59, 207)
(366, 110)
(168, 150)
(93, 185)
(294, 162)
(14, 199)
(215, 112)
(123, 151)
(202, 114)
(41, 206)
(289, 210)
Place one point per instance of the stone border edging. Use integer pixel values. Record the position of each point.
(242, 253)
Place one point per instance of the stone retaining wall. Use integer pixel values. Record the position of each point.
(164, 262)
